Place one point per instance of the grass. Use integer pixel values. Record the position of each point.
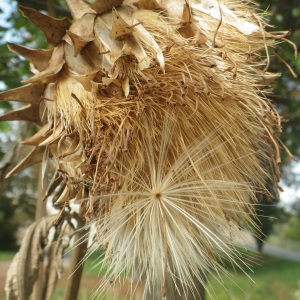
(7, 255)
(273, 279)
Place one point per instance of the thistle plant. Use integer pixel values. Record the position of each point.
(157, 119)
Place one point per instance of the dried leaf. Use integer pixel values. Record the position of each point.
(80, 65)
(33, 158)
(78, 42)
(55, 266)
(30, 93)
(145, 37)
(54, 29)
(228, 16)
(55, 182)
(29, 113)
(187, 31)
(39, 137)
(24, 269)
(57, 132)
(101, 6)
(86, 80)
(119, 27)
(100, 59)
(148, 4)
(39, 58)
(81, 32)
(55, 65)
(79, 8)
(67, 194)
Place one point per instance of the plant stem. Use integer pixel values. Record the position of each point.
(76, 264)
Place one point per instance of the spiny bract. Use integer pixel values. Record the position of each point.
(156, 117)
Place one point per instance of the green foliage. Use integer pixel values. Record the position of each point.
(8, 224)
(271, 279)
(7, 255)
(291, 229)
(285, 16)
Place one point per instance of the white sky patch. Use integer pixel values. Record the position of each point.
(290, 194)
(7, 7)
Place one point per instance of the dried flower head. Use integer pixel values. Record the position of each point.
(156, 116)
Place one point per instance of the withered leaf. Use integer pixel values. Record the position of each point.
(33, 158)
(119, 27)
(79, 8)
(29, 93)
(39, 58)
(54, 29)
(24, 270)
(148, 4)
(81, 32)
(101, 6)
(29, 113)
(82, 64)
(39, 137)
(55, 65)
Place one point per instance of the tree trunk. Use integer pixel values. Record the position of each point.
(259, 244)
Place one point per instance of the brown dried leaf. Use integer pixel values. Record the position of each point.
(55, 182)
(119, 27)
(30, 93)
(99, 58)
(33, 158)
(67, 194)
(86, 80)
(101, 6)
(79, 8)
(39, 58)
(55, 266)
(148, 4)
(80, 65)
(55, 65)
(29, 113)
(81, 32)
(186, 14)
(78, 42)
(187, 31)
(54, 29)
(39, 137)
(57, 132)
(24, 269)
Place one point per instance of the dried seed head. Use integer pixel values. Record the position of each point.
(156, 110)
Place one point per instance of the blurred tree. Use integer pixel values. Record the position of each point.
(291, 229)
(8, 223)
(268, 214)
(284, 16)
(13, 69)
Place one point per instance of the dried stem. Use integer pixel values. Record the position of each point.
(76, 264)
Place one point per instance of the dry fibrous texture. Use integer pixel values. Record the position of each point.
(157, 118)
